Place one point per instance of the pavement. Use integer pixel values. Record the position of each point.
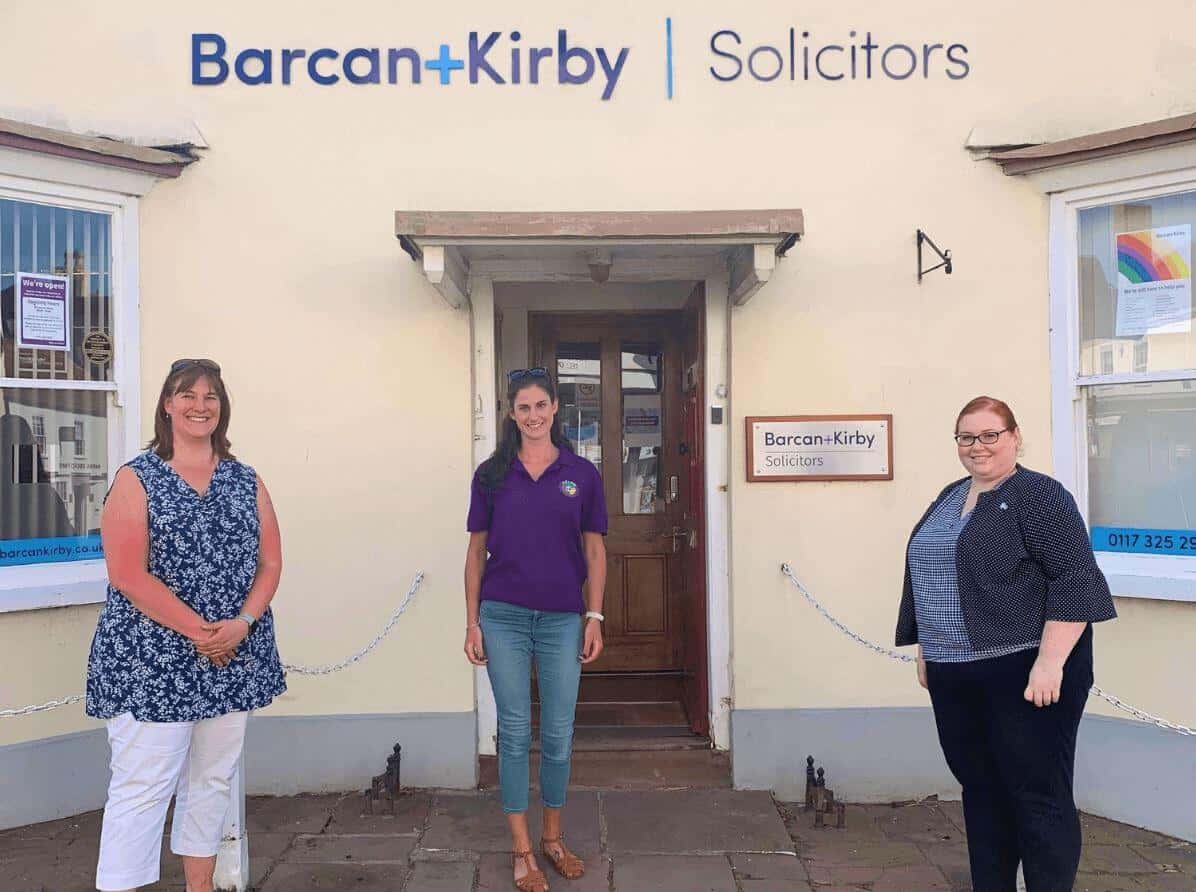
(686, 840)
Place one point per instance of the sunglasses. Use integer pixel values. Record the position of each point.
(180, 364)
(519, 374)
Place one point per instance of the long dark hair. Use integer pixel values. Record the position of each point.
(493, 471)
(177, 382)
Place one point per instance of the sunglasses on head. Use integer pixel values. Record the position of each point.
(519, 374)
(180, 364)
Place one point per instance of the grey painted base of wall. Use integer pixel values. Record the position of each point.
(1125, 770)
(56, 777)
(306, 754)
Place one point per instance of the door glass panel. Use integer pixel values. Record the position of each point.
(579, 389)
(642, 427)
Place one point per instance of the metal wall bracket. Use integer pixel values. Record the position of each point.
(945, 256)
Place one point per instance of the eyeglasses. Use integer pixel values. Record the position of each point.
(519, 374)
(987, 438)
(179, 364)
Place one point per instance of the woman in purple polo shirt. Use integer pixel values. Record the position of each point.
(536, 521)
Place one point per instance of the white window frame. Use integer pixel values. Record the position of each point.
(1160, 577)
(26, 176)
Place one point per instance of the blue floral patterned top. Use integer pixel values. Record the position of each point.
(205, 550)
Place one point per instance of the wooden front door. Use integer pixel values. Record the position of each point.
(619, 380)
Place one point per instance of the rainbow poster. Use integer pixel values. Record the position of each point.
(1154, 281)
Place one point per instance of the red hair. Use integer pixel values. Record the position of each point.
(990, 404)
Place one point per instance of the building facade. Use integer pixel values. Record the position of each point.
(696, 219)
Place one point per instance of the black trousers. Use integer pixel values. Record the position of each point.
(1016, 763)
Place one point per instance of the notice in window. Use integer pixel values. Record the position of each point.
(1154, 281)
(641, 420)
(43, 312)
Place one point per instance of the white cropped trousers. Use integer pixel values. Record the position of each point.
(194, 761)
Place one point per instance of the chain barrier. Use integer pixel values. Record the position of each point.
(298, 670)
(1117, 702)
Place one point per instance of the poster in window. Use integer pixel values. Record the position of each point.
(641, 420)
(43, 312)
(1154, 281)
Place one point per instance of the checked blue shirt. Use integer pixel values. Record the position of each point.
(941, 630)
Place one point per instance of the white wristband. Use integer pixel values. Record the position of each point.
(594, 614)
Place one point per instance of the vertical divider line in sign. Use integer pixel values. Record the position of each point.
(668, 47)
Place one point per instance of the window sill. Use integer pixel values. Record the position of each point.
(52, 585)
(1156, 577)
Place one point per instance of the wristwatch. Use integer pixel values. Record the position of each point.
(594, 614)
(246, 617)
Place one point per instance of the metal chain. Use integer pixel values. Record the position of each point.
(1117, 702)
(884, 651)
(349, 661)
(41, 707)
(298, 670)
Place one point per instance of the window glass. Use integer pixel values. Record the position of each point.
(1135, 283)
(1142, 467)
(579, 391)
(60, 242)
(53, 475)
(641, 426)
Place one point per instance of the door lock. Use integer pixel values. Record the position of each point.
(674, 488)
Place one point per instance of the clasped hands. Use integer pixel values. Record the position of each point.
(219, 641)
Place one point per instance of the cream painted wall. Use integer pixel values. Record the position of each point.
(275, 254)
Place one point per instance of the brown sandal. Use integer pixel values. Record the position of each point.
(566, 863)
(534, 880)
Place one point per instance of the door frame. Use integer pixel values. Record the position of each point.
(717, 471)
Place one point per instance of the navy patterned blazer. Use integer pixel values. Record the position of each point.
(1023, 558)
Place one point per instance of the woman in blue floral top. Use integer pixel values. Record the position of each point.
(184, 647)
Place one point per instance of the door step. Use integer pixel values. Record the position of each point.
(626, 687)
(703, 769)
(623, 715)
(633, 739)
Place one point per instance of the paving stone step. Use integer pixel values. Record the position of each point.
(635, 738)
(632, 769)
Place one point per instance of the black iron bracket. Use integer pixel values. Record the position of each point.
(945, 256)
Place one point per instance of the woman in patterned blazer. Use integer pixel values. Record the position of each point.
(1001, 589)
(184, 647)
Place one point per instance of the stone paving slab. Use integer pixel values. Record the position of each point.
(327, 848)
(349, 815)
(289, 814)
(770, 873)
(694, 821)
(674, 873)
(442, 876)
(912, 824)
(476, 822)
(686, 840)
(335, 878)
(952, 860)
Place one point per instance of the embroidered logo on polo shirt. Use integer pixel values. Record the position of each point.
(569, 488)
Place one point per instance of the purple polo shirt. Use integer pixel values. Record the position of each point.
(534, 532)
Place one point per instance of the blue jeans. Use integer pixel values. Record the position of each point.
(513, 636)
